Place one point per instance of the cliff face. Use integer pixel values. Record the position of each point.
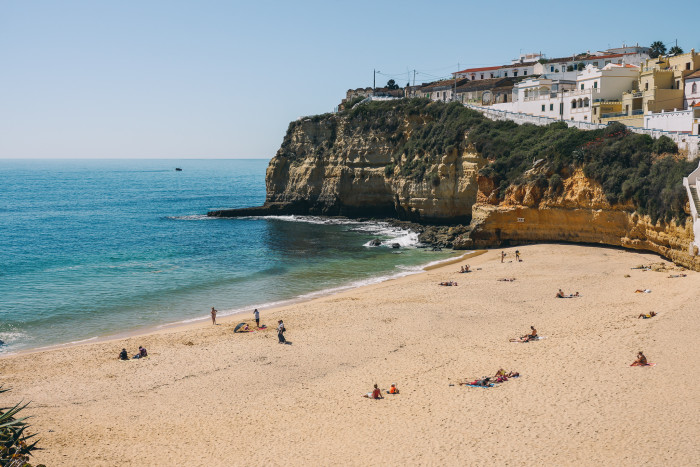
(329, 167)
(337, 165)
(578, 212)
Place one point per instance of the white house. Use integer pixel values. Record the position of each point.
(571, 100)
(691, 95)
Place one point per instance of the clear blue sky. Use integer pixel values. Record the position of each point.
(177, 79)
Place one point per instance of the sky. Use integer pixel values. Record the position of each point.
(223, 79)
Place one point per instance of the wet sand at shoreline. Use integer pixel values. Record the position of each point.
(207, 396)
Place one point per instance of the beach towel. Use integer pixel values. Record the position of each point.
(648, 364)
(479, 386)
(538, 338)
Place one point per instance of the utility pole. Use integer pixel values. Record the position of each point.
(374, 81)
(454, 95)
(414, 77)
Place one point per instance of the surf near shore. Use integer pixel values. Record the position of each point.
(208, 396)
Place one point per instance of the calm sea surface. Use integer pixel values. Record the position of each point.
(94, 248)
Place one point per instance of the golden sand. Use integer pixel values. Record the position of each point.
(207, 396)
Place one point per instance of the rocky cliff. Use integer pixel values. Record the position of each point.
(413, 162)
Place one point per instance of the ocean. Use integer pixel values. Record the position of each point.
(97, 248)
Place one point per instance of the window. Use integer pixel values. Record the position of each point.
(595, 63)
(573, 104)
(524, 72)
(586, 102)
(473, 77)
(695, 88)
(551, 106)
(646, 86)
(595, 85)
(505, 74)
(515, 72)
(607, 62)
(687, 66)
(595, 111)
(581, 85)
(491, 75)
(482, 76)
(551, 69)
(542, 107)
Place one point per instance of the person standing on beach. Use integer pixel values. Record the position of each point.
(256, 314)
(213, 315)
(503, 255)
(280, 332)
(517, 255)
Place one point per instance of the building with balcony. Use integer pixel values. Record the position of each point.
(486, 92)
(691, 90)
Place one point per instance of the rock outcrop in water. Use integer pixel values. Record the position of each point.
(388, 163)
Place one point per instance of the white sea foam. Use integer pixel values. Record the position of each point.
(192, 217)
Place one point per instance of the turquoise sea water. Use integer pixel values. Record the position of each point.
(95, 248)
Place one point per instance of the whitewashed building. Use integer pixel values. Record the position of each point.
(571, 100)
(691, 94)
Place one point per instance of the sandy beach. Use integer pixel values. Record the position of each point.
(207, 396)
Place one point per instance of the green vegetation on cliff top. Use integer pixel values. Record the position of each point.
(629, 166)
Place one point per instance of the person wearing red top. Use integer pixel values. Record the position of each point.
(375, 394)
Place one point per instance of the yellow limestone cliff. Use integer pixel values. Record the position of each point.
(331, 165)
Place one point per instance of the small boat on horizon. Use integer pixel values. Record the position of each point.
(178, 169)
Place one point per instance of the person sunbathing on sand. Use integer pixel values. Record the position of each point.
(641, 360)
(448, 283)
(650, 315)
(375, 394)
(671, 276)
(642, 291)
(527, 337)
(507, 280)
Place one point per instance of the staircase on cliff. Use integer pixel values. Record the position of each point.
(694, 194)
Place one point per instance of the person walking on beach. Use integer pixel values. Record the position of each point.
(256, 314)
(517, 255)
(280, 332)
(213, 315)
(503, 255)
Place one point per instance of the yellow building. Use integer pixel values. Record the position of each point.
(661, 82)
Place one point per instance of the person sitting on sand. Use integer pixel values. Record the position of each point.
(123, 355)
(393, 389)
(642, 291)
(641, 360)
(671, 276)
(466, 268)
(560, 294)
(375, 394)
(142, 353)
(650, 315)
(448, 283)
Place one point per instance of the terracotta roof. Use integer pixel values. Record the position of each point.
(484, 84)
(447, 83)
(517, 65)
(697, 105)
(476, 70)
(572, 58)
(693, 75)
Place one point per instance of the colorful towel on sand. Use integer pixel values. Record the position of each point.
(479, 386)
(648, 364)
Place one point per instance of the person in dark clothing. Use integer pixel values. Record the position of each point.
(280, 332)
(123, 355)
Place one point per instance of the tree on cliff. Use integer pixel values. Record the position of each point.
(657, 48)
(391, 85)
